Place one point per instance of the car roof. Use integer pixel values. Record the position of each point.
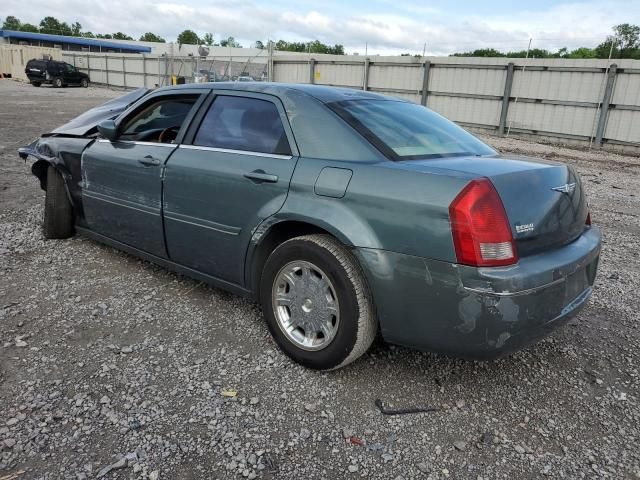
(324, 93)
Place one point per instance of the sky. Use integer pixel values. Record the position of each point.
(364, 26)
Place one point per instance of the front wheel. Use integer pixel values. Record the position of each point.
(58, 212)
(84, 83)
(316, 302)
(36, 84)
(57, 82)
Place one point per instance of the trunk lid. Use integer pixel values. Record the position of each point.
(544, 201)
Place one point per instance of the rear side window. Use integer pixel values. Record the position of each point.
(242, 123)
(406, 131)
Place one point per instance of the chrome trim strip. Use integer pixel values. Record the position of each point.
(199, 222)
(134, 142)
(483, 291)
(122, 203)
(238, 152)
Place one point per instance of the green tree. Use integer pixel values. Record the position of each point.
(230, 42)
(258, 44)
(152, 37)
(76, 29)
(11, 23)
(481, 52)
(104, 35)
(121, 36)
(88, 35)
(207, 39)
(582, 52)
(54, 26)
(624, 43)
(188, 37)
(29, 27)
(313, 47)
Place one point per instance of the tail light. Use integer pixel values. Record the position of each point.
(481, 232)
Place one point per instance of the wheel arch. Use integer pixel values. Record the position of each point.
(39, 170)
(273, 232)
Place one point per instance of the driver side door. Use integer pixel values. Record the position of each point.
(122, 178)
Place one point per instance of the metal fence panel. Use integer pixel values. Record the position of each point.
(476, 111)
(623, 125)
(467, 80)
(396, 77)
(547, 118)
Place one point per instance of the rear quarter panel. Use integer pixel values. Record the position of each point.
(386, 206)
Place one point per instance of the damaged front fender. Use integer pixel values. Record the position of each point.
(64, 153)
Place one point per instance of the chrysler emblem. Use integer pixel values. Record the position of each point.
(567, 188)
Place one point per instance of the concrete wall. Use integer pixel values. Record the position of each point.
(584, 101)
(14, 58)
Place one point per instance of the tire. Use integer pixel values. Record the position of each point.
(57, 83)
(58, 212)
(36, 84)
(84, 83)
(337, 287)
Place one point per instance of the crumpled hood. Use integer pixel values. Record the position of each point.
(83, 124)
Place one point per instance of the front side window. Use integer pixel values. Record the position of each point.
(242, 123)
(159, 121)
(406, 131)
(70, 68)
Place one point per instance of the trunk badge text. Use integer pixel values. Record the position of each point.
(524, 228)
(567, 188)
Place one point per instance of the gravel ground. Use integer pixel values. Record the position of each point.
(112, 367)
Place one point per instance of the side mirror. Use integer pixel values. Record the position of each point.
(108, 129)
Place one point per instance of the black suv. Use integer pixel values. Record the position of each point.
(58, 74)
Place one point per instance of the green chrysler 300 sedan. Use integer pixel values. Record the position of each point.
(342, 212)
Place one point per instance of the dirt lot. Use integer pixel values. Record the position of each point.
(108, 361)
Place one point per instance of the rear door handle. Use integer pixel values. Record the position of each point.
(259, 176)
(149, 161)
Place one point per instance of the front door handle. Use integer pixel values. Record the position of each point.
(259, 176)
(149, 161)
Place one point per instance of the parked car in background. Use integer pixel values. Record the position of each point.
(53, 72)
(245, 78)
(342, 212)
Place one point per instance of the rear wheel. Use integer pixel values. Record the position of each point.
(57, 82)
(58, 212)
(36, 84)
(316, 302)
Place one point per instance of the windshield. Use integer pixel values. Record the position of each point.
(406, 131)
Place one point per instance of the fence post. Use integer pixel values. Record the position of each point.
(312, 70)
(270, 64)
(89, 66)
(505, 98)
(606, 100)
(144, 71)
(365, 79)
(425, 83)
(106, 68)
(124, 73)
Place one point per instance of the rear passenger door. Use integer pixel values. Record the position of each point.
(232, 172)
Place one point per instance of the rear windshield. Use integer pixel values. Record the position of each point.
(406, 131)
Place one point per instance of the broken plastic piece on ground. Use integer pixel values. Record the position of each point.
(403, 411)
(355, 441)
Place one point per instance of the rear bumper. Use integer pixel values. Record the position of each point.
(479, 313)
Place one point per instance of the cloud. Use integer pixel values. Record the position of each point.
(387, 27)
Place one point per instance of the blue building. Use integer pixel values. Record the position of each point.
(73, 44)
